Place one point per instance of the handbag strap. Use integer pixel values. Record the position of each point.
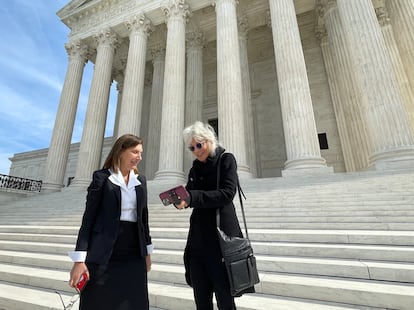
(240, 192)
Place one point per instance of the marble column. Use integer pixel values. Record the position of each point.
(173, 102)
(139, 28)
(301, 138)
(153, 141)
(90, 150)
(194, 79)
(58, 153)
(398, 65)
(335, 86)
(119, 78)
(349, 90)
(387, 121)
(229, 84)
(194, 86)
(247, 96)
(401, 13)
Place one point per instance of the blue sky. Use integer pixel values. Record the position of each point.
(33, 64)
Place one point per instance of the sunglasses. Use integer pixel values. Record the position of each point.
(199, 145)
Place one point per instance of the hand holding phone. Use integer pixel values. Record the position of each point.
(82, 282)
(174, 195)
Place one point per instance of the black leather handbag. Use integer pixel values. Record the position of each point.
(237, 254)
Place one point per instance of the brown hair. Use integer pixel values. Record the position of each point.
(121, 144)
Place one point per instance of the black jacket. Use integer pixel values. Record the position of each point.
(206, 198)
(100, 222)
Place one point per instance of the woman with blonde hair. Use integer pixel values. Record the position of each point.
(205, 271)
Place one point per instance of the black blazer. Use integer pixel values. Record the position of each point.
(100, 222)
(206, 198)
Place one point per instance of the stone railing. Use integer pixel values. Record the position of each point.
(11, 182)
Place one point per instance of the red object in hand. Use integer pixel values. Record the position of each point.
(82, 282)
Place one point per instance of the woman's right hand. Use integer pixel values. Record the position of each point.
(183, 204)
(77, 270)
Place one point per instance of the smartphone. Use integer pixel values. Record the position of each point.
(82, 282)
(174, 195)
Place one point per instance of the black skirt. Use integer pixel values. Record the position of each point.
(122, 284)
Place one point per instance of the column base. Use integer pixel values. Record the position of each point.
(170, 175)
(295, 172)
(51, 187)
(305, 162)
(244, 172)
(395, 159)
(80, 183)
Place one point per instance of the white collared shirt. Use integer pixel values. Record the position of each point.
(128, 194)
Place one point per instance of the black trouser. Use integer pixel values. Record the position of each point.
(208, 276)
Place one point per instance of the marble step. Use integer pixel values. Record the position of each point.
(277, 224)
(162, 297)
(309, 219)
(255, 211)
(402, 253)
(299, 211)
(303, 226)
(253, 204)
(341, 268)
(317, 250)
(347, 268)
(68, 235)
(347, 191)
(389, 295)
(367, 293)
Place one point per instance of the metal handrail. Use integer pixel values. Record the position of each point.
(12, 182)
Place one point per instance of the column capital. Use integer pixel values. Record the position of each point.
(157, 53)
(123, 60)
(76, 49)
(139, 24)
(268, 19)
(321, 34)
(195, 39)
(243, 24)
(383, 16)
(119, 77)
(324, 6)
(176, 9)
(107, 37)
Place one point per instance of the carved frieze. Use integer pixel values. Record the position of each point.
(100, 14)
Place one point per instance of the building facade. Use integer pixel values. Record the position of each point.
(293, 87)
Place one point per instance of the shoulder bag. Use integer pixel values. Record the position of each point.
(237, 253)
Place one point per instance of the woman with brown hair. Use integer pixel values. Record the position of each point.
(114, 244)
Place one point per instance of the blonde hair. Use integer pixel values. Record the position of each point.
(201, 132)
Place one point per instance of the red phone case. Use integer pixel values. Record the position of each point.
(82, 282)
(174, 195)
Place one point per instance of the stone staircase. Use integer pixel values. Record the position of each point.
(341, 241)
